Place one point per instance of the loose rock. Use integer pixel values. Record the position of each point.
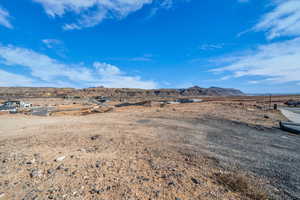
(50, 171)
(195, 181)
(2, 195)
(59, 159)
(35, 173)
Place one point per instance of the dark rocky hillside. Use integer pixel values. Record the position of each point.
(24, 92)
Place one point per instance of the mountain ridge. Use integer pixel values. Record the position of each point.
(11, 92)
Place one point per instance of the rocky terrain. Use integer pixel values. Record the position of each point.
(223, 147)
(21, 92)
(210, 150)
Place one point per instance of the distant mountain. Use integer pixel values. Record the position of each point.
(212, 91)
(196, 91)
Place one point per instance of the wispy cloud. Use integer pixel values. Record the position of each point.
(51, 43)
(57, 46)
(92, 12)
(47, 70)
(10, 79)
(282, 20)
(277, 62)
(4, 18)
(144, 58)
(208, 47)
(166, 5)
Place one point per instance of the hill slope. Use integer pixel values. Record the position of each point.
(10, 92)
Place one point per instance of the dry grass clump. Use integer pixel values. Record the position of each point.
(243, 184)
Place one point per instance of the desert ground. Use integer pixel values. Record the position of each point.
(210, 150)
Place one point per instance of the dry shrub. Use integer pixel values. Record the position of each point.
(243, 184)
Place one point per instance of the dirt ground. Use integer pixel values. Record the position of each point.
(176, 152)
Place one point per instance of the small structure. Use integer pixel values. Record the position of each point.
(178, 101)
(188, 100)
(292, 103)
(102, 99)
(14, 106)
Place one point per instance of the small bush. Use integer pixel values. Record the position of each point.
(243, 184)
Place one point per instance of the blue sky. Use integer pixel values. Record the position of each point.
(252, 45)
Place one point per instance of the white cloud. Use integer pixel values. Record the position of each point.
(144, 58)
(277, 62)
(111, 75)
(107, 69)
(50, 71)
(10, 79)
(224, 78)
(283, 20)
(93, 12)
(4, 18)
(42, 66)
(50, 43)
(207, 47)
(87, 20)
(57, 46)
(165, 4)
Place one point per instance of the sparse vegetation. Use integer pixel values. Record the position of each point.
(244, 184)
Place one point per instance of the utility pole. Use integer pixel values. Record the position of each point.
(270, 103)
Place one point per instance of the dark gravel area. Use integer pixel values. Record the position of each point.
(267, 152)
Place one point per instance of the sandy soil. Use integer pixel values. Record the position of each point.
(131, 153)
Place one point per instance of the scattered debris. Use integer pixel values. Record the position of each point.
(95, 137)
(50, 171)
(266, 117)
(102, 99)
(195, 181)
(98, 164)
(35, 173)
(101, 109)
(59, 159)
(2, 194)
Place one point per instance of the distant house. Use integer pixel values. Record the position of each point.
(14, 106)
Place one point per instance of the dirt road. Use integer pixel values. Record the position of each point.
(293, 114)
